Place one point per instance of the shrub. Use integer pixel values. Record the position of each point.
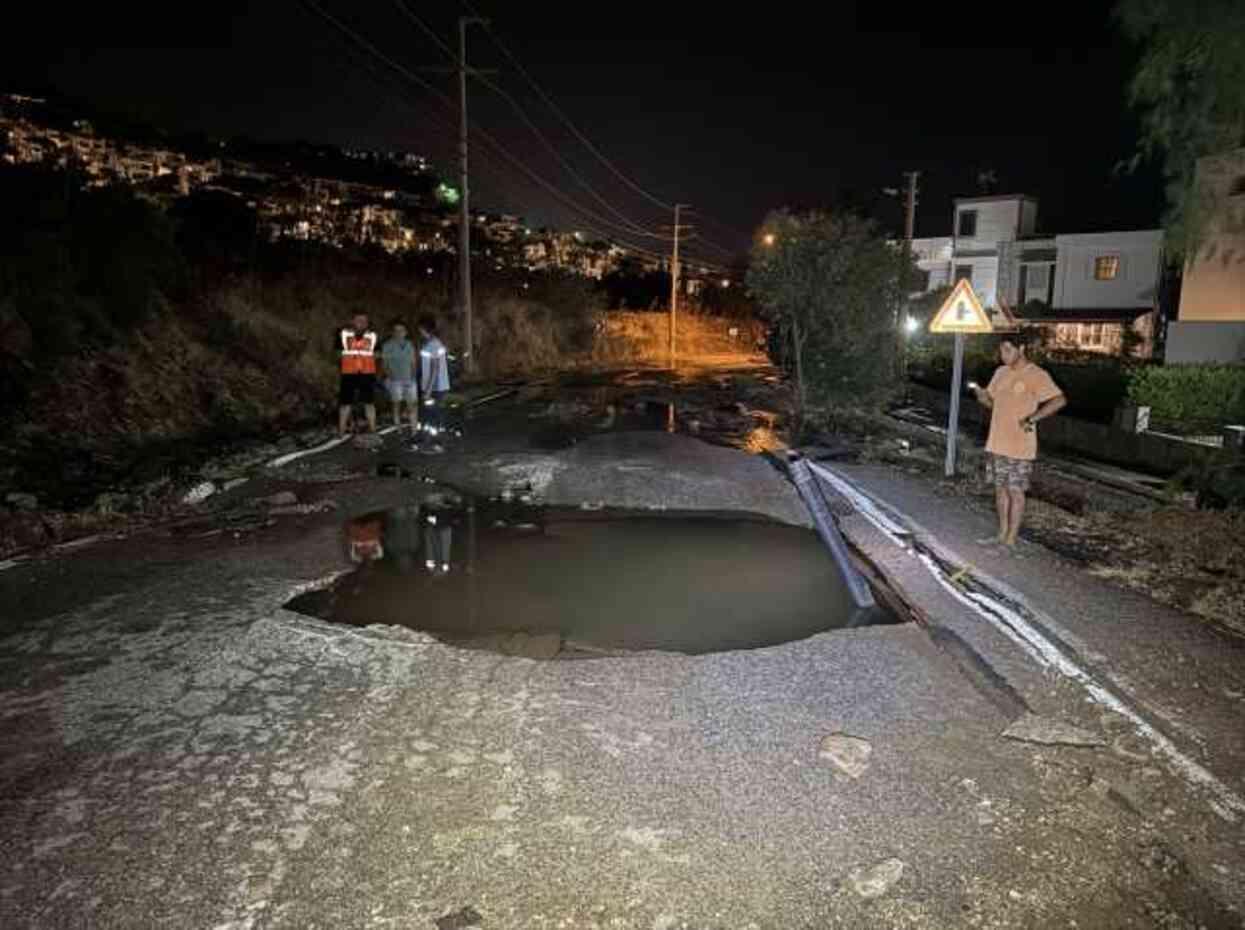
(1094, 384)
(1191, 393)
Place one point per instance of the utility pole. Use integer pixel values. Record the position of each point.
(464, 213)
(674, 282)
(910, 206)
(909, 228)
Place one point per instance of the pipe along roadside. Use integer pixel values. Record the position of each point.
(828, 530)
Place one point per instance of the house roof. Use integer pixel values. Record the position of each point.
(994, 197)
(1081, 315)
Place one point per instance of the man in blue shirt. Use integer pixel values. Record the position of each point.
(398, 358)
(434, 383)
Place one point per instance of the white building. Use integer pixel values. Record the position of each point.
(1210, 324)
(1084, 289)
(981, 226)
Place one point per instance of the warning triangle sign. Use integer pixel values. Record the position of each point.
(961, 312)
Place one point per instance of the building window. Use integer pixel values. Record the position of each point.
(1106, 267)
(1039, 280)
(1093, 335)
(967, 226)
(964, 273)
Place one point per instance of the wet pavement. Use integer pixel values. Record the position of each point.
(179, 750)
(544, 582)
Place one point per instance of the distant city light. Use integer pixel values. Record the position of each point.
(447, 194)
(768, 239)
(726, 282)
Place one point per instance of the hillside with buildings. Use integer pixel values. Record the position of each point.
(351, 197)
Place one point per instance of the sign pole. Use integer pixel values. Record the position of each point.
(953, 419)
(960, 313)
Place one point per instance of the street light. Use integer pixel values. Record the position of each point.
(768, 239)
(911, 324)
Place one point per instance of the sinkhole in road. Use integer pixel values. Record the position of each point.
(551, 582)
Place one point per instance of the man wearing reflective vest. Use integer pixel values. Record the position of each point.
(434, 384)
(358, 372)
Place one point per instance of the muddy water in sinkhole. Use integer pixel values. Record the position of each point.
(550, 582)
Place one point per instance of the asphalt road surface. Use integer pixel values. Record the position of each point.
(179, 750)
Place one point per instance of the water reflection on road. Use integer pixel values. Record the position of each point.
(522, 579)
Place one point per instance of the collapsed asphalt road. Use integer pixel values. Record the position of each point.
(181, 750)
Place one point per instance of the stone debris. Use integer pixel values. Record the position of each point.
(460, 920)
(199, 493)
(303, 509)
(876, 880)
(848, 754)
(1033, 728)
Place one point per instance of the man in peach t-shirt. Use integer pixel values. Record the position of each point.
(1019, 394)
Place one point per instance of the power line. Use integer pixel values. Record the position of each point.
(731, 230)
(405, 72)
(619, 232)
(517, 107)
(488, 137)
(570, 124)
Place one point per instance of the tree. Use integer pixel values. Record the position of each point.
(1189, 87)
(631, 287)
(831, 285)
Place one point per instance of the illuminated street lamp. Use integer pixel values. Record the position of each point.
(911, 325)
(768, 239)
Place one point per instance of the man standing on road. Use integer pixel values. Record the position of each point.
(358, 373)
(1019, 395)
(398, 358)
(434, 382)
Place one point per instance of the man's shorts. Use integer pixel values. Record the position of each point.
(1007, 472)
(356, 389)
(402, 391)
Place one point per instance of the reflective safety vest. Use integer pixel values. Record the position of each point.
(434, 370)
(358, 353)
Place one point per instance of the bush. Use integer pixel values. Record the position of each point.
(1212, 394)
(1095, 385)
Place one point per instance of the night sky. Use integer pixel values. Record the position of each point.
(734, 113)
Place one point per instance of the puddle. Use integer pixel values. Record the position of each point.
(726, 424)
(553, 582)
